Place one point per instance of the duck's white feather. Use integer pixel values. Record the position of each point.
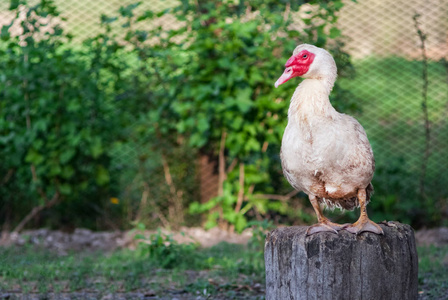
(325, 153)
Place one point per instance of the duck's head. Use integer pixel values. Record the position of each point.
(309, 61)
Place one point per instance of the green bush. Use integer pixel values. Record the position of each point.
(56, 118)
(68, 111)
(112, 127)
(211, 83)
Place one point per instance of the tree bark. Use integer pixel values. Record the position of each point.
(341, 266)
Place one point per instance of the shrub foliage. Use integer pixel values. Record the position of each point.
(111, 128)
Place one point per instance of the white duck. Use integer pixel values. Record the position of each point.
(324, 153)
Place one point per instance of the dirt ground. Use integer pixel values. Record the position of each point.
(87, 240)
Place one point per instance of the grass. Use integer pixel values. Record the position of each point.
(226, 271)
(433, 274)
(221, 272)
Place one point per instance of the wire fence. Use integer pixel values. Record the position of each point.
(399, 49)
(83, 16)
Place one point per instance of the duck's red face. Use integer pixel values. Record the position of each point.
(297, 65)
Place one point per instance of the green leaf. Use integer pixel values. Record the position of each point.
(38, 143)
(41, 125)
(338, 4)
(34, 157)
(55, 169)
(4, 34)
(252, 145)
(139, 237)
(128, 10)
(243, 100)
(108, 20)
(240, 223)
(96, 148)
(67, 155)
(335, 32)
(65, 189)
(195, 208)
(102, 175)
(211, 220)
(67, 172)
(148, 14)
(198, 140)
(202, 123)
(14, 4)
(230, 216)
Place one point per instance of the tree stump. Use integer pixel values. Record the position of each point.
(341, 266)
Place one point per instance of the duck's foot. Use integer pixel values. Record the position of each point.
(364, 224)
(325, 226)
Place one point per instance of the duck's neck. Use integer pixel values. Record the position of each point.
(311, 98)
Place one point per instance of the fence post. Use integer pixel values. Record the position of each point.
(341, 266)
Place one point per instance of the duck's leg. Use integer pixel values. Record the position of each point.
(323, 224)
(363, 223)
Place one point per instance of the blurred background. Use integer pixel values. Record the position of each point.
(163, 113)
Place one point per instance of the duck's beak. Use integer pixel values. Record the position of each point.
(297, 65)
(287, 75)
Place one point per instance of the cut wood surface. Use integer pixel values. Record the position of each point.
(341, 266)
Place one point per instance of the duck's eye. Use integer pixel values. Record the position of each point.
(305, 56)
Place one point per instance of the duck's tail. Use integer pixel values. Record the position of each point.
(349, 203)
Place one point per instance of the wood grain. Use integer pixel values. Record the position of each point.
(341, 266)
